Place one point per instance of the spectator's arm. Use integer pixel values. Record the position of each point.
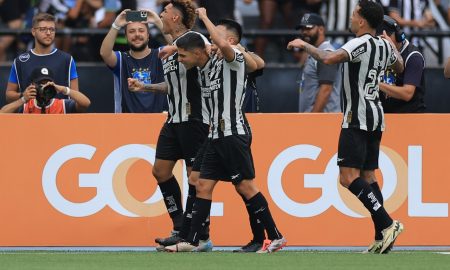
(322, 97)
(404, 92)
(75, 11)
(106, 50)
(82, 102)
(447, 69)
(13, 106)
(12, 92)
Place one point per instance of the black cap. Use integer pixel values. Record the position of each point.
(40, 74)
(309, 20)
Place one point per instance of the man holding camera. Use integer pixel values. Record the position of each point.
(139, 64)
(39, 97)
(43, 54)
(403, 92)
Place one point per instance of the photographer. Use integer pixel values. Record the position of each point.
(39, 97)
(403, 92)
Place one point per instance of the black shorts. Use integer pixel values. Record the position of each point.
(228, 159)
(181, 141)
(359, 148)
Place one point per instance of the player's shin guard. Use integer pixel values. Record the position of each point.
(187, 216)
(379, 195)
(200, 214)
(255, 224)
(172, 198)
(361, 189)
(259, 207)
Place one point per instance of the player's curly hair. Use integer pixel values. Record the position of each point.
(187, 9)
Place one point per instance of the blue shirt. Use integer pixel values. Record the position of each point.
(62, 64)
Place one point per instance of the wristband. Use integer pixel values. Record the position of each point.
(115, 26)
(67, 91)
(23, 99)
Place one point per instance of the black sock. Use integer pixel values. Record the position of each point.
(255, 224)
(187, 216)
(361, 189)
(204, 235)
(259, 207)
(377, 192)
(200, 214)
(172, 198)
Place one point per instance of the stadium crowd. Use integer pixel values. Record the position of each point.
(253, 15)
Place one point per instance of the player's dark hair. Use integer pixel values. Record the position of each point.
(372, 11)
(42, 17)
(232, 26)
(191, 41)
(187, 9)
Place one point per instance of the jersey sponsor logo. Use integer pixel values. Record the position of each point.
(24, 57)
(169, 66)
(358, 51)
(215, 84)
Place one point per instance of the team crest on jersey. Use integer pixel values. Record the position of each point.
(240, 57)
(142, 74)
(24, 57)
(358, 51)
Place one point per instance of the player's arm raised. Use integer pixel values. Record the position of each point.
(326, 57)
(106, 50)
(222, 44)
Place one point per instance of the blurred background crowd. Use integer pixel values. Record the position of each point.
(268, 24)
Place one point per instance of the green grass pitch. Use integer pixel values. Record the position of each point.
(315, 260)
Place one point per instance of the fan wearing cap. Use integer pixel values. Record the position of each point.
(402, 92)
(39, 97)
(320, 83)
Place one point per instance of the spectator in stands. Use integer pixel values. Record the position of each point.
(447, 69)
(411, 14)
(12, 13)
(40, 96)
(217, 10)
(404, 92)
(320, 85)
(140, 62)
(267, 12)
(43, 54)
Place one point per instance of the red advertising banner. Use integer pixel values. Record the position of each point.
(85, 180)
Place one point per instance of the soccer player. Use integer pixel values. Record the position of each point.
(365, 59)
(185, 129)
(226, 154)
(43, 54)
(138, 65)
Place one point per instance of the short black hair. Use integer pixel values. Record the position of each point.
(191, 41)
(232, 26)
(372, 11)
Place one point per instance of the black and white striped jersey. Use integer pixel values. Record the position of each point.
(184, 96)
(368, 59)
(225, 95)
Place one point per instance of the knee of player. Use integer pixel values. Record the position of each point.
(246, 188)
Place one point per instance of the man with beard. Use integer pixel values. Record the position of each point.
(139, 64)
(43, 54)
(320, 84)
